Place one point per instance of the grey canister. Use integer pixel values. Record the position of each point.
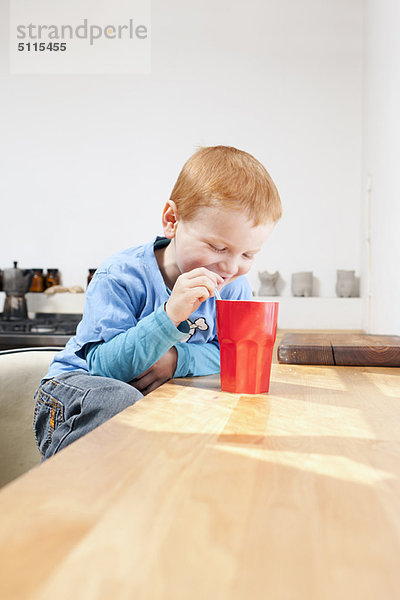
(345, 283)
(302, 283)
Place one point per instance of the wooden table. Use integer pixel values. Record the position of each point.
(345, 349)
(197, 494)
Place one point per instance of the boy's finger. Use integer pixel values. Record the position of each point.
(201, 293)
(202, 280)
(143, 381)
(204, 271)
(201, 288)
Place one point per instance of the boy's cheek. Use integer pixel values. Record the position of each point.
(204, 260)
(246, 269)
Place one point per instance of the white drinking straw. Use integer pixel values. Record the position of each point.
(217, 294)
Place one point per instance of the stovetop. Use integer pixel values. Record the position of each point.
(46, 329)
(43, 323)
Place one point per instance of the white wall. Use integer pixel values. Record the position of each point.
(88, 161)
(382, 166)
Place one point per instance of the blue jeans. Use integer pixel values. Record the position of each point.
(72, 404)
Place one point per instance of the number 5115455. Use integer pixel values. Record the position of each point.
(42, 46)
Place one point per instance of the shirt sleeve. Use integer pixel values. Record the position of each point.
(197, 359)
(109, 309)
(132, 352)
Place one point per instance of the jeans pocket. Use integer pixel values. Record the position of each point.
(49, 414)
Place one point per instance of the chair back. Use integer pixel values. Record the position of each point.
(20, 374)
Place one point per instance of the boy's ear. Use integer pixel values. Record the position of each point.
(170, 219)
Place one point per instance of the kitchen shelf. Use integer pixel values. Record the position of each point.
(294, 312)
(318, 312)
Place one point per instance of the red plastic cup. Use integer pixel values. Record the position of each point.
(246, 332)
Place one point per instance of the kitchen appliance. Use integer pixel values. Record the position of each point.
(44, 330)
(16, 283)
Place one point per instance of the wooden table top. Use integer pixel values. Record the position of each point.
(194, 493)
(345, 349)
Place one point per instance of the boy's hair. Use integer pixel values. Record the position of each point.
(230, 178)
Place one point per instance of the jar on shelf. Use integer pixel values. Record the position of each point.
(52, 278)
(90, 276)
(38, 283)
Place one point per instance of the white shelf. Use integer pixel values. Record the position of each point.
(318, 312)
(294, 312)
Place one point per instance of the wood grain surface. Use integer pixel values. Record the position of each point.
(194, 493)
(346, 349)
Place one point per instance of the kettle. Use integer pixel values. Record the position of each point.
(16, 283)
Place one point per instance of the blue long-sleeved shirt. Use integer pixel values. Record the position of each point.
(125, 329)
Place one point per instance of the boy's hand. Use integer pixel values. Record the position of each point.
(159, 373)
(189, 291)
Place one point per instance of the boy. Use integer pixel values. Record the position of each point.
(150, 310)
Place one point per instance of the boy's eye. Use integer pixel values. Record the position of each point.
(249, 256)
(217, 249)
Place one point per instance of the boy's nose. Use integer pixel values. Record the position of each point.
(228, 267)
